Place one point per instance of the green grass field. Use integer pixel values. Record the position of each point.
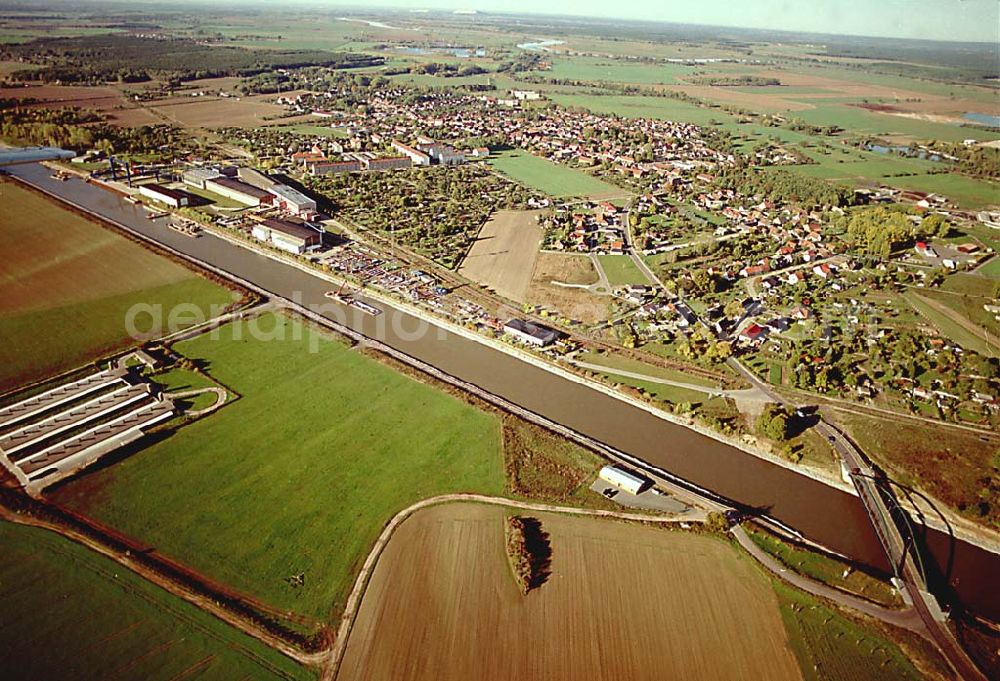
(831, 646)
(621, 271)
(823, 569)
(967, 192)
(554, 179)
(858, 120)
(67, 612)
(616, 71)
(640, 106)
(949, 328)
(635, 366)
(299, 475)
(67, 284)
(992, 268)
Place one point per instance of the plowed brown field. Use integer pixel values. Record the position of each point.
(623, 602)
(503, 256)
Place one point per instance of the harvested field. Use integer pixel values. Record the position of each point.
(216, 112)
(571, 302)
(568, 269)
(503, 255)
(183, 110)
(103, 99)
(66, 284)
(622, 602)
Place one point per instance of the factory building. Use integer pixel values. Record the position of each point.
(292, 201)
(196, 177)
(238, 191)
(164, 195)
(288, 236)
(255, 178)
(531, 333)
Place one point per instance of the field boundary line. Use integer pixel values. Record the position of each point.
(168, 585)
(332, 666)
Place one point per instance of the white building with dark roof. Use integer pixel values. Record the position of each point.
(164, 195)
(238, 191)
(292, 200)
(288, 236)
(531, 333)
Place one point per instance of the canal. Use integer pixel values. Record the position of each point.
(820, 512)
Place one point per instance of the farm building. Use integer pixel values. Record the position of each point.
(164, 195)
(238, 191)
(622, 479)
(197, 177)
(288, 236)
(51, 435)
(292, 200)
(533, 334)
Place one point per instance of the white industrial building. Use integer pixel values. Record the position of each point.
(292, 200)
(255, 178)
(531, 333)
(196, 177)
(622, 479)
(164, 195)
(288, 236)
(238, 191)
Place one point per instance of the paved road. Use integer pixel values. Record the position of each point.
(875, 499)
(905, 618)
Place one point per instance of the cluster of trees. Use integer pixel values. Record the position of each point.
(529, 551)
(434, 210)
(975, 160)
(880, 230)
(80, 130)
(774, 422)
(447, 70)
(786, 187)
(701, 345)
(128, 58)
(734, 81)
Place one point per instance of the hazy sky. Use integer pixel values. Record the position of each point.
(972, 20)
